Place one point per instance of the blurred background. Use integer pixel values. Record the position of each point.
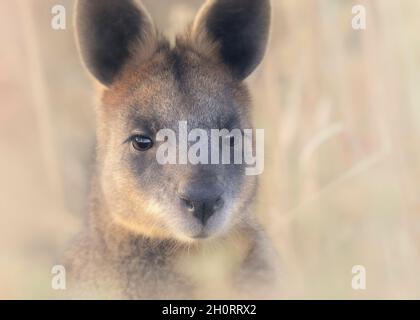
(340, 109)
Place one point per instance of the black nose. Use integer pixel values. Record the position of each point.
(201, 199)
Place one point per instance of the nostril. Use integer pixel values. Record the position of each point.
(218, 204)
(188, 204)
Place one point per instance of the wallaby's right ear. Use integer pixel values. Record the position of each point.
(109, 31)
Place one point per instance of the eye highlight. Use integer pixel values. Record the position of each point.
(141, 142)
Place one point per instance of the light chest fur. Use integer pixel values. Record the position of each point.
(212, 267)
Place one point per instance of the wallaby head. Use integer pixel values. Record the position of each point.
(150, 85)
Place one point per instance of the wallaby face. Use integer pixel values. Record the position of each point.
(150, 86)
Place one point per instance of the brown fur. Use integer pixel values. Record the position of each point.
(134, 244)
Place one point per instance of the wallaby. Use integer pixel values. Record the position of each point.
(170, 231)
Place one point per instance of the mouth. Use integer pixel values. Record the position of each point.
(191, 229)
(201, 235)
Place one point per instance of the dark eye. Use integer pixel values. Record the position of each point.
(141, 143)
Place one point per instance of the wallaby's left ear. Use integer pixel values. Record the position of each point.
(239, 29)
